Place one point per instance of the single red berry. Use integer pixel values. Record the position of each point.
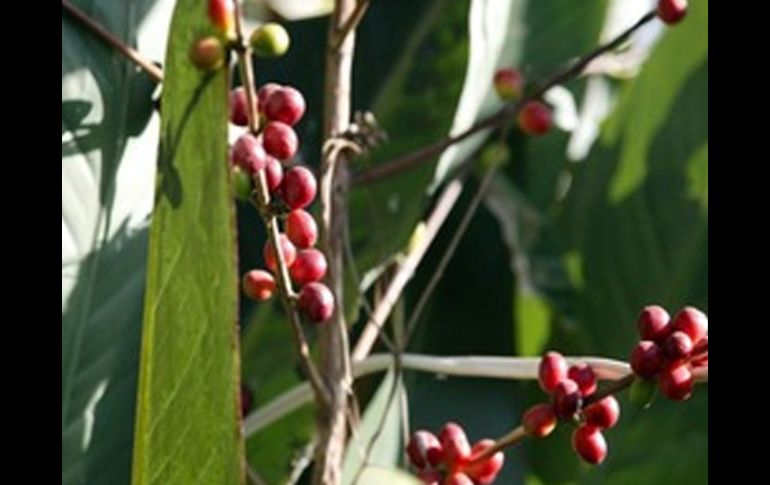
(239, 106)
(458, 479)
(273, 173)
(693, 322)
(265, 91)
(285, 104)
(457, 450)
(222, 16)
(424, 449)
(316, 301)
(701, 347)
(301, 228)
(676, 382)
(287, 249)
(567, 399)
(534, 118)
(280, 140)
(585, 378)
(672, 11)
(539, 420)
(647, 359)
(429, 477)
(310, 265)
(588, 442)
(653, 323)
(678, 345)
(509, 84)
(552, 370)
(248, 154)
(258, 284)
(484, 472)
(298, 187)
(603, 414)
(207, 53)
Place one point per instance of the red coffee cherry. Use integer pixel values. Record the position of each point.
(429, 477)
(647, 359)
(693, 322)
(702, 346)
(676, 382)
(585, 378)
(458, 479)
(653, 324)
(588, 442)
(207, 53)
(457, 450)
(287, 249)
(678, 345)
(672, 11)
(424, 449)
(509, 84)
(484, 472)
(301, 228)
(534, 118)
(280, 140)
(298, 187)
(539, 420)
(239, 106)
(222, 16)
(248, 154)
(552, 370)
(265, 91)
(310, 265)
(273, 173)
(285, 104)
(258, 285)
(567, 399)
(603, 414)
(316, 301)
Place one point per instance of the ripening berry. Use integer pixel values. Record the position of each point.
(265, 91)
(301, 228)
(647, 359)
(603, 414)
(310, 265)
(676, 382)
(316, 301)
(284, 104)
(287, 249)
(458, 479)
(222, 16)
(298, 187)
(424, 449)
(509, 84)
(207, 53)
(678, 345)
(280, 140)
(585, 378)
(588, 442)
(273, 173)
(239, 106)
(258, 285)
(672, 11)
(534, 118)
(484, 472)
(457, 450)
(539, 420)
(653, 324)
(567, 399)
(552, 370)
(248, 154)
(243, 184)
(693, 322)
(270, 40)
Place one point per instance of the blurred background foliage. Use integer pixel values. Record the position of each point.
(578, 231)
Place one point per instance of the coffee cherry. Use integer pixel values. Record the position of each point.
(457, 450)
(539, 420)
(585, 378)
(273, 173)
(429, 477)
(287, 249)
(509, 84)
(284, 104)
(567, 399)
(207, 53)
(588, 442)
(298, 187)
(265, 91)
(552, 370)
(647, 359)
(458, 479)
(672, 11)
(603, 414)
(693, 322)
(642, 392)
(242, 184)
(534, 118)
(316, 301)
(484, 472)
(239, 106)
(301, 229)
(270, 40)
(258, 285)
(280, 140)
(222, 16)
(309, 266)
(653, 324)
(678, 345)
(676, 382)
(248, 154)
(424, 449)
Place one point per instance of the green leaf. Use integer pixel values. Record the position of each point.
(188, 426)
(109, 147)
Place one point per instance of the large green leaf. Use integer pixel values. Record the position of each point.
(109, 146)
(188, 426)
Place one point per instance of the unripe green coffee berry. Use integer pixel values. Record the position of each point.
(242, 184)
(207, 53)
(270, 40)
(642, 392)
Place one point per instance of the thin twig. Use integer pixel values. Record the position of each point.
(131, 54)
(352, 23)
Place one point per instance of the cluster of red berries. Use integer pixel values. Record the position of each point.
(671, 349)
(570, 388)
(534, 117)
(450, 459)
